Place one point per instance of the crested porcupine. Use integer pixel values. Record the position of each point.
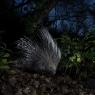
(40, 54)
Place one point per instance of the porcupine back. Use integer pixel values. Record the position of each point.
(41, 55)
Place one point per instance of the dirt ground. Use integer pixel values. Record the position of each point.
(23, 83)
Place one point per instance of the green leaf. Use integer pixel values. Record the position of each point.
(7, 55)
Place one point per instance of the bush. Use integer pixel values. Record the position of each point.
(78, 53)
(5, 57)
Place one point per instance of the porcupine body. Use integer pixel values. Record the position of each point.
(40, 54)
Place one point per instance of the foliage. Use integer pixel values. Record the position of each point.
(5, 57)
(78, 53)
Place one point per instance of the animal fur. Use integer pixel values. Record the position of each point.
(40, 54)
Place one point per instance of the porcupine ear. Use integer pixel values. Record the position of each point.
(43, 56)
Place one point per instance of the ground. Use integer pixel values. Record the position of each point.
(23, 83)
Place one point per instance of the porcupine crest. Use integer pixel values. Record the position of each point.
(43, 56)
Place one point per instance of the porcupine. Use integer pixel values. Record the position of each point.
(40, 55)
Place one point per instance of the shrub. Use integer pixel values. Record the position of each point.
(78, 53)
(5, 57)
